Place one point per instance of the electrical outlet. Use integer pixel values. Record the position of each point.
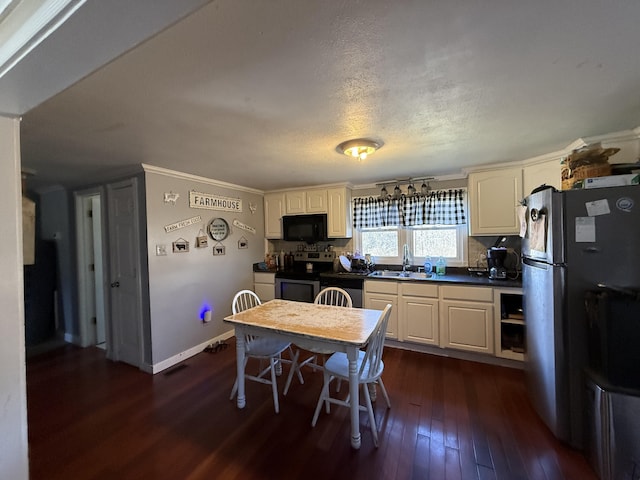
(161, 250)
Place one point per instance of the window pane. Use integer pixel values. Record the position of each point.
(435, 242)
(380, 242)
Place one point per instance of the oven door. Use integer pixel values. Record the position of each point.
(297, 290)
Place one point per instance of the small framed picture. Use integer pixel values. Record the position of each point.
(180, 246)
(243, 243)
(201, 240)
(218, 249)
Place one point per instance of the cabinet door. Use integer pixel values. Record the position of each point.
(265, 291)
(273, 211)
(339, 213)
(378, 301)
(316, 201)
(493, 197)
(295, 202)
(419, 320)
(467, 326)
(541, 173)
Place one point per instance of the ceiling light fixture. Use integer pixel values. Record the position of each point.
(358, 148)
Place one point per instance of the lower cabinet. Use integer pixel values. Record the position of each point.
(377, 294)
(419, 313)
(264, 284)
(466, 316)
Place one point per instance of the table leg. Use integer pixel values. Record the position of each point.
(352, 355)
(240, 347)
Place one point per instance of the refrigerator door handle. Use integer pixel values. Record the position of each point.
(539, 264)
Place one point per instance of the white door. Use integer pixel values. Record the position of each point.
(91, 268)
(96, 218)
(126, 314)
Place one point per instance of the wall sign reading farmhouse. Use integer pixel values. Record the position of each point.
(214, 202)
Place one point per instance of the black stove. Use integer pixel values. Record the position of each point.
(319, 261)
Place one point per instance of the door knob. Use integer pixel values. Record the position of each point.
(115, 284)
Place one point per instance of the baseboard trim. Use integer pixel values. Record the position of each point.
(182, 356)
(459, 354)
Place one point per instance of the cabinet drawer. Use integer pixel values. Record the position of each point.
(419, 289)
(474, 294)
(264, 277)
(375, 286)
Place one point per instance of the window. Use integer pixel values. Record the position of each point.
(385, 243)
(432, 225)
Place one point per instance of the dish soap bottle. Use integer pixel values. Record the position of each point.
(428, 265)
(441, 266)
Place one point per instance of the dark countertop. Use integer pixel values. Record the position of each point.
(458, 275)
(463, 277)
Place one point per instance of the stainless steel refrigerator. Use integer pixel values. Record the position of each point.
(575, 241)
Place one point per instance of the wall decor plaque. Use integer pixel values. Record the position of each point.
(218, 249)
(246, 228)
(180, 246)
(218, 229)
(214, 202)
(201, 239)
(242, 243)
(182, 223)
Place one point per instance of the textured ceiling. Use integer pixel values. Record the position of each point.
(260, 93)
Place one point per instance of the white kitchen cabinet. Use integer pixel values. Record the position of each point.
(264, 285)
(274, 208)
(493, 197)
(377, 294)
(316, 201)
(295, 202)
(339, 213)
(335, 202)
(419, 313)
(534, 175)
(466, 318)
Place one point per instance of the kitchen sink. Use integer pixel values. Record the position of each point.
(400, 275)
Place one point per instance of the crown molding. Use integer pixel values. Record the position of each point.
(195, 178)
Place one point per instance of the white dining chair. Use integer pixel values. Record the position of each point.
(370, 368)
(327, 296)
(262, 348)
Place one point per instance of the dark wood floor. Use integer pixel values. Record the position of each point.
(90, 418)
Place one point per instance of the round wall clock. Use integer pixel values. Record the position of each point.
(218, 229)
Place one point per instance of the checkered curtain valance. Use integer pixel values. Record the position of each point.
(439, 207)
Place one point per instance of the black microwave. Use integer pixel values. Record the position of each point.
(305, 228)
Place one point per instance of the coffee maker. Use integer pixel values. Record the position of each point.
(495, 262)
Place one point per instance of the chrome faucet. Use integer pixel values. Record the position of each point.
(405, 258)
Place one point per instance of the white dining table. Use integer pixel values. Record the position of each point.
(324, 326)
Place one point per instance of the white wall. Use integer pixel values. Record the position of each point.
(180, 283)
(14, 462)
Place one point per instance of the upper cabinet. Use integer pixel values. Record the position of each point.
(274, 208)
(493, 197)
(339, 213)
(335, 202)
(296, 202)
(542, 173)
(317, 201)
(306, 201)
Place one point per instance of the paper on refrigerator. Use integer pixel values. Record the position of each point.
(538, 233)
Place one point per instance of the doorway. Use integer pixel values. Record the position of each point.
(91, 263)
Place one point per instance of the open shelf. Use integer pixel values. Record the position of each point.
(510, 324)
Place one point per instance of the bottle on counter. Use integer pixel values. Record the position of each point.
(428, 265)
(441, 266)
(281, 260)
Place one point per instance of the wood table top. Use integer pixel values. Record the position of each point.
(352, 326)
